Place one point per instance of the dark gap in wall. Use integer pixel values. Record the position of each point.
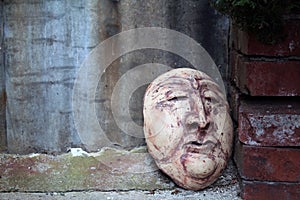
(266, 58)
(271, 99)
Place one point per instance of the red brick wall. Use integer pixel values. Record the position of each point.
(265, 99)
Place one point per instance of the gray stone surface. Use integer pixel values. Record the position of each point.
(224, 193)
(226, 188)
(107, 170)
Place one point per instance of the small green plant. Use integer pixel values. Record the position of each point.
(263, 18)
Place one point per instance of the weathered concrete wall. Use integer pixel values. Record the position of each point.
(2, 86)
(46, 41)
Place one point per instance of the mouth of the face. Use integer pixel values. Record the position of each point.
(199, 147)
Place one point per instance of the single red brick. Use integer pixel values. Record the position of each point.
(269, 122)
(254, 190)
(261, 78)
(249, 45)
(268, 163)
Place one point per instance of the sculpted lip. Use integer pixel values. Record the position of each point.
(198, 146)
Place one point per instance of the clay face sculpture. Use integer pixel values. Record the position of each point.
(187, 127)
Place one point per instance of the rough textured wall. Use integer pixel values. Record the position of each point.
(2, 87)
(45, 42)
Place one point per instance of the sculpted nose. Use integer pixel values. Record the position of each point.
(197, 120)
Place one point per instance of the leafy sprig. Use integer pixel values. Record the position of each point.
(263, 18)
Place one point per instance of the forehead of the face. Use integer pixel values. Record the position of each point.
(181, 79)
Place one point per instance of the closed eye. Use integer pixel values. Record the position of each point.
(179, 98)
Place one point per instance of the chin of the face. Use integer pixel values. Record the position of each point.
(199, 166)
(192, 171)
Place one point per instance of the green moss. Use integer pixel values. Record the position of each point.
(263, 18)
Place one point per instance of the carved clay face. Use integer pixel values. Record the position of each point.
(187, 127)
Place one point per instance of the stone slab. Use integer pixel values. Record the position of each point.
(230, 192)
(107, 170)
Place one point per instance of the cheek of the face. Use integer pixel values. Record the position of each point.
(227, 135)
(163, 131)
(222, 130)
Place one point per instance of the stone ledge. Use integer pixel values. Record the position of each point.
(107, 170)
(222, 193)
